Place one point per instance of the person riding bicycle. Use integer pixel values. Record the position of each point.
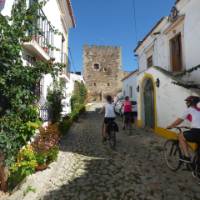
(193, 135)
(127, 109)
(108, 108)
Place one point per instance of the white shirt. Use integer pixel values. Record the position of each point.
(194, 114)
(109, 111)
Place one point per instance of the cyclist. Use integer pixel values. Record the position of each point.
(127, 109)
(108, 108)
(193, 135)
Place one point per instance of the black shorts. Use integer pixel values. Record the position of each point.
(192, 135)
(127, 117)
(107, 120)
(134, 114)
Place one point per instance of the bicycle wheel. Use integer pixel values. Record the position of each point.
(172, 154)
(112, 138)
(196, 167)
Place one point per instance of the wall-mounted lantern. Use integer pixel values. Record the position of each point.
(138, 88)
(158, 82)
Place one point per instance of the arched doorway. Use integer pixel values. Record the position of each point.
(149, 111)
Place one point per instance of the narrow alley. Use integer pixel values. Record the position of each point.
(89, 170)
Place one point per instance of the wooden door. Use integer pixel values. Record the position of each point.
(149, 104)
(176, 53)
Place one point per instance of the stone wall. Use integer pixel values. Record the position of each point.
(102, 71)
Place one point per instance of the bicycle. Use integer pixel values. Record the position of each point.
(173, 154)
(112, 128)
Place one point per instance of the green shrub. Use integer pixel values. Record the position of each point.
(65, 125)
(19, 171)
(41, 158)
(52, 154)
(25, 165)
(54, 98)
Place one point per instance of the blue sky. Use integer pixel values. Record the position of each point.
(111, 22)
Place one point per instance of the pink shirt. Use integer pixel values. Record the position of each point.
(127, 106)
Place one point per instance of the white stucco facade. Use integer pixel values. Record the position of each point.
(157, 43)
(69, 92)
(57, 15)
(168, 98)
(129, 86)
(156, 83)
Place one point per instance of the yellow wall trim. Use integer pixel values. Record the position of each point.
(165, 133)
(139, 123)
(171, 135)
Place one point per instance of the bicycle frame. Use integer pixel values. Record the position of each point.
(111, 134)
(195, 162)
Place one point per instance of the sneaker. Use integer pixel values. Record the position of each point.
(185, 159)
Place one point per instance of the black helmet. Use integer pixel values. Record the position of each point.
(193, 100)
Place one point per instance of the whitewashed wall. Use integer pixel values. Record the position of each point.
(53, 12)
(130, 82)
(69, 91)
(192, 37)
(7, 8)
(169, 105)
(190, 41)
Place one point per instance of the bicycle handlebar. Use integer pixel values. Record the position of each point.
(179, 128)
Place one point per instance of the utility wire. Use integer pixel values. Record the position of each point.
(135, 20)
(72, 62)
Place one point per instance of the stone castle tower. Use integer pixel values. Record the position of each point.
(102, 71)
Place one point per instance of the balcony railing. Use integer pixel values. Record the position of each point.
(44, 33)
(42, 38)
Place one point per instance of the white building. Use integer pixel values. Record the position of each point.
(129, 85)
(69, 91)
(172, 46)
(58, 15)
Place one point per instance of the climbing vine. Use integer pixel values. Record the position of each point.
(18, 83)
(79, 96)
(187, 85)
(189, 70)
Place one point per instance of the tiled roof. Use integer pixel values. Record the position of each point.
(130, 74)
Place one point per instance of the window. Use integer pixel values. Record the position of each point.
(124, 93)
(62, 54)
(105, 69)
(149, 61)
(31, 2)
(95, 84)
(108, 84)
(130, 91)
(96, 66)
(176, 53)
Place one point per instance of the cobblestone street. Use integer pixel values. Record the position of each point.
(89, 170)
